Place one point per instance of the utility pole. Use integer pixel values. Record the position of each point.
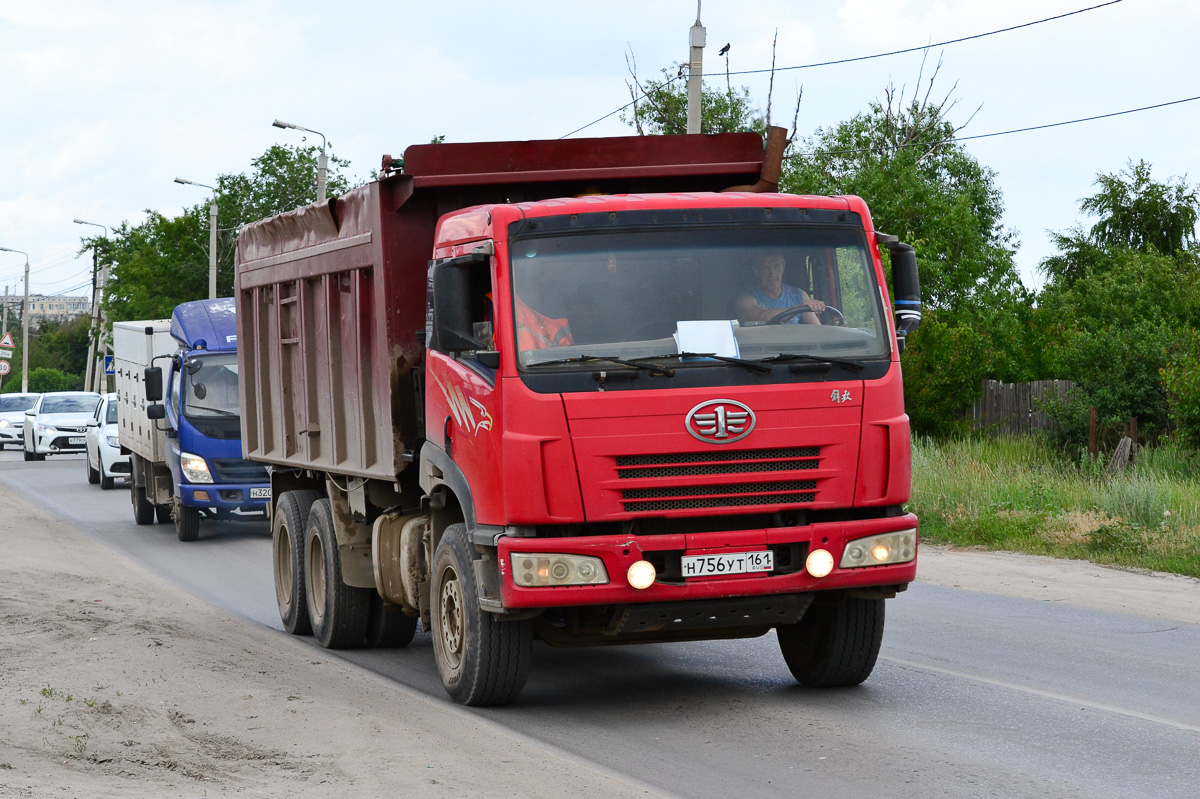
(95, 371)
(695, 74)
(24, 325)
(212, 237)
(5, 331)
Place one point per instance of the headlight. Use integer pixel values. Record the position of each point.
(44, 428)
(113, 441)
(5, 423)
(879, 550)
(195, 468)
(537, 569)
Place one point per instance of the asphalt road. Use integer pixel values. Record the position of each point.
(974, 695)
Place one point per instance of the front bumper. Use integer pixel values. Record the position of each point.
(790, 545)
(58, 442)
(226, 496)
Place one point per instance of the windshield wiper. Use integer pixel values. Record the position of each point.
(786, 357)
(754, 366)
(653, 368)
(221, 411)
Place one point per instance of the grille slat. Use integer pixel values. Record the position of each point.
(718, 462)
(240, 470)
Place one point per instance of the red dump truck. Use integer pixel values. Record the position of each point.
(594, 391)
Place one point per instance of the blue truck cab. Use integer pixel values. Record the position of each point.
(194, 468)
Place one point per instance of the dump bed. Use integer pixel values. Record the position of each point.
(132, 352)
(331, 297)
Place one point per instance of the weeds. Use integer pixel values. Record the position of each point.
(1021, 494)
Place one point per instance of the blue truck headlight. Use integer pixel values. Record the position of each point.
(538, 569)
(880, 550)
(195, 468)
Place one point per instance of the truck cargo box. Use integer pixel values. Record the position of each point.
(132, 352)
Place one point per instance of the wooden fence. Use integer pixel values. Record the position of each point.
(1013, 408)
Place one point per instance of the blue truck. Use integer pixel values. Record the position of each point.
(180, 419)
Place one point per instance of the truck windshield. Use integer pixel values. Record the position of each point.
(211, 388)
(734, 292)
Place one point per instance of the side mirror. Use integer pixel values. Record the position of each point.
(453, 330)
(93, 423)
(156, 411)
(31, 412)
(906, 289)
(154, 384)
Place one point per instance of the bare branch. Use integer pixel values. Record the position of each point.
(771, 84)
(796, 116)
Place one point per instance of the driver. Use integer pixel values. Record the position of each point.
(772, 296)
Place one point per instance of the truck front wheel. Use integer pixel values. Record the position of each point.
(835, 644)
(338, 613)
(287, 555)
(482, 661)
(187, 522)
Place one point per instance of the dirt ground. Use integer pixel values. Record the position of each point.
(113, 683)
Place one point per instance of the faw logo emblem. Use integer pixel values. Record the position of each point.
(720, 421)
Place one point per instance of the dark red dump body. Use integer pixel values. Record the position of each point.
(332, 297)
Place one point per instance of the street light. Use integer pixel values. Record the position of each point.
(93, 379)
(24, 325)
(322, 162)
(212, 237)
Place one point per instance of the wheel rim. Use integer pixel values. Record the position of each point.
(316, 577)
(451, 617)
(283, 567)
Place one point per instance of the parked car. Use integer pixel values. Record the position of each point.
(12, 416)
(104, 460)
(57, 422)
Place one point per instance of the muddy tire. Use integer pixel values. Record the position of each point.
(187, 522)
(143, 511)
(338, 613)
(482, 661)
(287, 557)
(835, 644)
(389, 627)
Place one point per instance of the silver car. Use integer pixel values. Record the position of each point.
(12, 416)
(57, 422)
(104, 460)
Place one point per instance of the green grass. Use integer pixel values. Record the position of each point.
(1021, 495)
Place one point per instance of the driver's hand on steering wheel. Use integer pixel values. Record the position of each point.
(816, 306)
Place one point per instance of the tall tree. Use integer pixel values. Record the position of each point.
(902, 158)
(161, 262)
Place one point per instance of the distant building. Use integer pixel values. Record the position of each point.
(42, 307)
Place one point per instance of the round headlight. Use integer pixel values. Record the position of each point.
(641, 574)
(819, 563)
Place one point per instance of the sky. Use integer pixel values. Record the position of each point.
(103, 105)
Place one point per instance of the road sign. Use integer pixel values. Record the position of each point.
(3, 367)
(109, 368)
(7, 342)
(5, 353)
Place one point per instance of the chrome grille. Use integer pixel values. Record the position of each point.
(747, 492)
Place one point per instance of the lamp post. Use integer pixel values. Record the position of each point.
(93, 379)
(24, 325)
(212, 237)
(322, 162)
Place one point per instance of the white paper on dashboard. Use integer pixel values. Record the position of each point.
(709, 335)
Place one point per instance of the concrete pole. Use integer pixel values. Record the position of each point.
(25, 333)
(322, 170)
(212, 250)
(89, 379)
(695, 74)
(4, 332)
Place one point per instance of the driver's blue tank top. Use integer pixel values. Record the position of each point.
(790, 298)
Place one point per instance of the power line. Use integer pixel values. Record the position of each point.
(859, 58)
(1013, 130)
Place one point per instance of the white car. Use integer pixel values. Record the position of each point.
(57, 422)
(12, 416)
(104, 460)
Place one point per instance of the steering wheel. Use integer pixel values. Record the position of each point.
(788, 313)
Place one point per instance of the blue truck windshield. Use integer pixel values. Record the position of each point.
(211, 388)
(729, 291)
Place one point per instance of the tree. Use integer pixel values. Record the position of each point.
(161, 262)
(1122, 305)
(44, 379)
(902, 157)
(1134, 212)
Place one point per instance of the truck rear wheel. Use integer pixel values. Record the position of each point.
(338, 612)
(835, 644)
(482, 661)
(143, 511)
(287, 556)
(389, 627)
(187, 522)
(162, 513)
